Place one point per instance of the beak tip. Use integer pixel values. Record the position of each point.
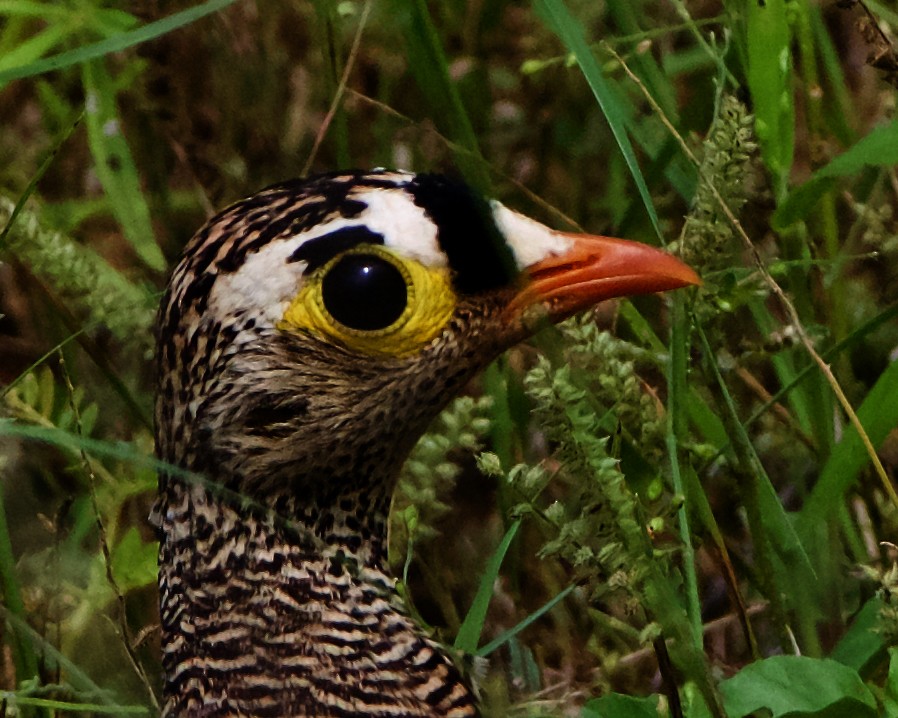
(597, 268)
(688, 277)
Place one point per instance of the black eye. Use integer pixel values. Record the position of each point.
(364, 291)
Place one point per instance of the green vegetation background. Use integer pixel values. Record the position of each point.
(684, 505)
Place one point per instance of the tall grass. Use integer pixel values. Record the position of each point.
(680, 504)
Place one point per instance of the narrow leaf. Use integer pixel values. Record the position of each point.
(430, 68)
(770, 82)
(512, 632)
(570, 32)
(878, 415)
(469, 634)
(114, 44)
(877, 149)
(115, 166)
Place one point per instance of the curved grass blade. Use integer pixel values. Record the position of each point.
(515, 630)
(879, 415)
(469, 633)
(559, 19)
(115, 165)
(116, 43)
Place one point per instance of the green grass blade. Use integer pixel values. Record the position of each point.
(115, 44)
(878, 414)
(24, 656)
(428, 64)
(559, 19)
(678, 420)
(54, 658)
(75, 443)
(628, 18)
(27, 8)
(15, 699)
(838, 98)
(501, 640)
(469, 633)
(770, 526)
(770, 83)
(847, 343)
(878, 149)
(32, 184)
(32, 48)
(115, 166)
(700, 414)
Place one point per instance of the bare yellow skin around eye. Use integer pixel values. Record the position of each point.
(431, 301)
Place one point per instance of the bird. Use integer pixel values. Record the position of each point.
(306, 338)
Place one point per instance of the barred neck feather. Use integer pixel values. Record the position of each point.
(262, 617)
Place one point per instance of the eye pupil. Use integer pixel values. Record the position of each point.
(364, 292)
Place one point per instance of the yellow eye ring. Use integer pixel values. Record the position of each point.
(429, 303)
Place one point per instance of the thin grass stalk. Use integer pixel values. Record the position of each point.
(702, 508)
(54, 658)
(123, 629)
(747, 469)
(825, 219)
(335, 111)
(431, 70)
(24, 657)
(572, 34)
(677, 427)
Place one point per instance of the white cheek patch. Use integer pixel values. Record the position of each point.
(264, 284)
(530, 241)
(404, 226)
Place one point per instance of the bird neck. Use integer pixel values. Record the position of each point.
(266, 613)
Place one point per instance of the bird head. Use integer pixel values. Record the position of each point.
(311, 332)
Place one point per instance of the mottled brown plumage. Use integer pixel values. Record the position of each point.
(275, 595)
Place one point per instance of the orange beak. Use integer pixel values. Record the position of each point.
(597, 268)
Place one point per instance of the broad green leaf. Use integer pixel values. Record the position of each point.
(469, 632)
(134, 561)
(770, 83)
(796, 686)
(877, 149)
(890, 693)
(621, 706)
(861, 645)
(878, 415)
(115, 166)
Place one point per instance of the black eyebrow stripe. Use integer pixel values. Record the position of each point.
(478, 254)
(319, 251)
